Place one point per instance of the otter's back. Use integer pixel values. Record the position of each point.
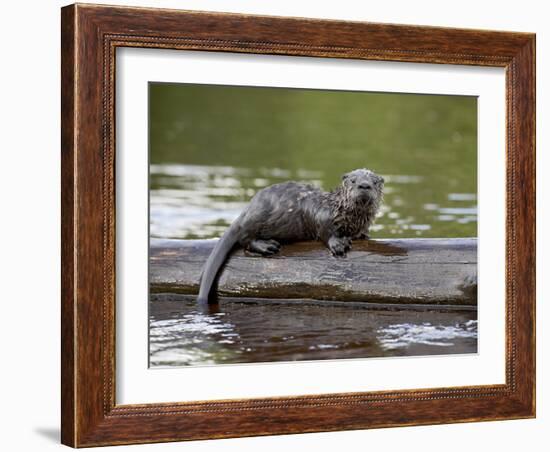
(282, 212)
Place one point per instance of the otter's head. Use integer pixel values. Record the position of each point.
(363, 186)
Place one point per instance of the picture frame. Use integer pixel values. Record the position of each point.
(90, 36)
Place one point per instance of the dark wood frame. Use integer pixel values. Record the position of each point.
(90, 36)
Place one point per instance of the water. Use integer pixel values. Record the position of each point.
(181, 335)
(214, 147)
(198, 202)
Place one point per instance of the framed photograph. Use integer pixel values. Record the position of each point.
(281, 225)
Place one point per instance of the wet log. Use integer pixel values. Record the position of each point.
(401, 271)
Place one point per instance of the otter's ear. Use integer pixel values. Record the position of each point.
(380, 180)
(345, 176)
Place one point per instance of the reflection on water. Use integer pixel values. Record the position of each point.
(402, 335)
(180, 335)
(192, 201)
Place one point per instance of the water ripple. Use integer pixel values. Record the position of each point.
(406, 334)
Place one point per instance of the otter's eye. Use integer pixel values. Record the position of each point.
(353, 181)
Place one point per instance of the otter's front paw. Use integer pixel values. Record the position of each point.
(339, 246)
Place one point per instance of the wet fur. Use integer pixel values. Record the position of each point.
(292, 211)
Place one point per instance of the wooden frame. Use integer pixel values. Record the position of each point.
(90, 35)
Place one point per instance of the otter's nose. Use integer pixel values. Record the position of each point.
(364, 186)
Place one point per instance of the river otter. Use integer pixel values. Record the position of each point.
(291, 211)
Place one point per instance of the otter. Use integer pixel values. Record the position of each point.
(292, 211)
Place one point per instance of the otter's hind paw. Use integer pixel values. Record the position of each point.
(264, 247)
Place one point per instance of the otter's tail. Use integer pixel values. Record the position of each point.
(214, 262)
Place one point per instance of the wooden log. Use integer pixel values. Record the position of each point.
(402, 271)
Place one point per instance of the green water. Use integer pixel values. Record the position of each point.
(213, 147)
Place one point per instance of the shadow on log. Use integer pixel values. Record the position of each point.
(404, 272)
